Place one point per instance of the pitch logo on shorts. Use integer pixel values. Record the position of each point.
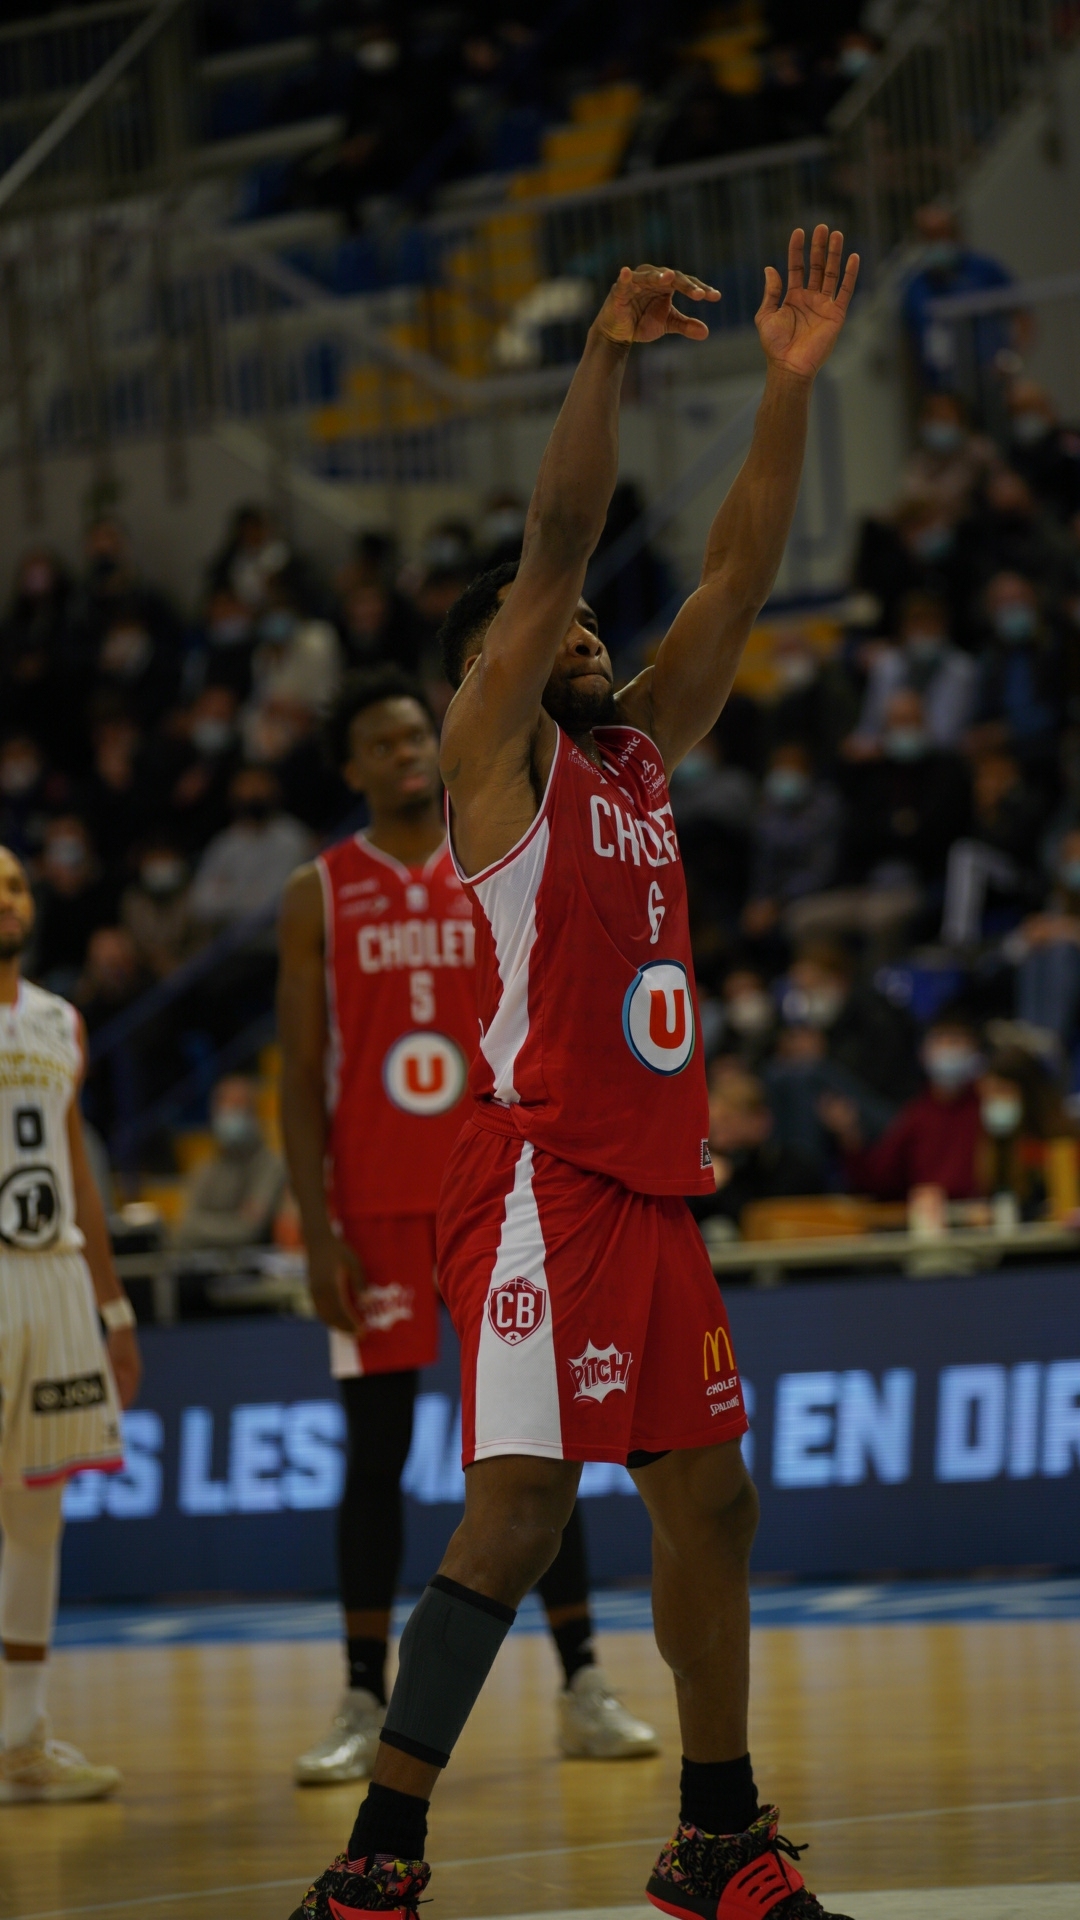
(424, 1073)
(515, 1309)
(600, 1371)
(658, 1017)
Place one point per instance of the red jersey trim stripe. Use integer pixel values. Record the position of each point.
(474, 879)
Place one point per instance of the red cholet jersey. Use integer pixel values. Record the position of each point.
(401, 1001)
(591, 1044)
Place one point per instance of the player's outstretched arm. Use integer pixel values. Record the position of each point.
(333, 1270)
(497, 710)
(90, 1219)
(679, 699)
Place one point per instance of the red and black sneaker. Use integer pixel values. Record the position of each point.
(734, 1876)
(380, 1884)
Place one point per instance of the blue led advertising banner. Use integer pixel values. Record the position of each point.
(898, 1426)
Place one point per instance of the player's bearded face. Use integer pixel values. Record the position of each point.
(577, 698)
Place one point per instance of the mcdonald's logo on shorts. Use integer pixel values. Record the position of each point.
(718, 1344)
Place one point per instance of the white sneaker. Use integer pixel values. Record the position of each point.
(46, 1769)
(594, 1724)
(348, 1750)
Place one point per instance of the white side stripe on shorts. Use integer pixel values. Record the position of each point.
(517, 1395)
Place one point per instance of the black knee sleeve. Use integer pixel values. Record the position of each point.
(447, 1650)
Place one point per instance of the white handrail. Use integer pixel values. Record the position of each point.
(87, 97)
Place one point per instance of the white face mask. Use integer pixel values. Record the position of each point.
(125, 651)
(1001, 1114)
(211, 736)
(923, 644)
(750, 1013)
(378, 56)
(795, 671)
(950, 1065)
(813, 1006)
(234, 1128)
(941, 436)
(906, 743)
(787, 786)
(162, 875)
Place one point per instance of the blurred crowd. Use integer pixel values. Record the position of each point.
(426, 97)
(881, 836)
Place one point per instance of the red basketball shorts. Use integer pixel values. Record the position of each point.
(590, 1322)
(401, 1306)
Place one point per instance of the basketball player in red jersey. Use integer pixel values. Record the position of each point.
(378, 1023)
(588, 1314)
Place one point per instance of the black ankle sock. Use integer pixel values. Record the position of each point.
(367, 1666)
(719, 1796)
(389, 1822)
(574, 1643)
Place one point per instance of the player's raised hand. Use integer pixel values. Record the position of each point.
(799, 328)
(641, 305)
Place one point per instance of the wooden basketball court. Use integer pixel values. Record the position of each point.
(911, 1756)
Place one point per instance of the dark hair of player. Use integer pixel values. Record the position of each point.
(472, 613)
(363, 689)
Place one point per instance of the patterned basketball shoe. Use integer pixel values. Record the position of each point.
(734, 1876)
(352, 1887)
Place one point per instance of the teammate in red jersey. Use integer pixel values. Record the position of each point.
(587, 1310)
(378, 1025)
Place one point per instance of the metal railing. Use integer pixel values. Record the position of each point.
(927, 110)
(94, 104)
(1031, 327)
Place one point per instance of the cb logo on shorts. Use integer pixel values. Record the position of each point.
(424, 1073)
(658, 1017)
(515, 1309)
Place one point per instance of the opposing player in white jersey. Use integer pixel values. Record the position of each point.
(62, 1386)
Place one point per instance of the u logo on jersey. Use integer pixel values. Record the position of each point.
(424, 1073)
(658, 1017)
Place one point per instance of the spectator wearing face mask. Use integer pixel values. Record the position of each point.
(917, 550)
(502, 529)
(1045, 453)
(748, 1161)
(862, 1031)
(1045, 949)
(948, 267)
(814, 701)
(193, 766)
(993, 864)
(134, 665)
(713, 805)
(245, 867)
(74, 898)
(935, 1138)
(904, 809)
(250, 556)
(297, 659)
(111, 590)
(156, 909)
(233, 1197)
(230, 640)
(29, 792)
(950, 461)
(1019, 1109)
(795, 840)
(924, 660)
(1019, 697)
(750, 1016)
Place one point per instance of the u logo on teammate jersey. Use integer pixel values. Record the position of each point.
(658, 1017)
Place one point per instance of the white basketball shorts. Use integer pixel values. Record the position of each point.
(58, 1407)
